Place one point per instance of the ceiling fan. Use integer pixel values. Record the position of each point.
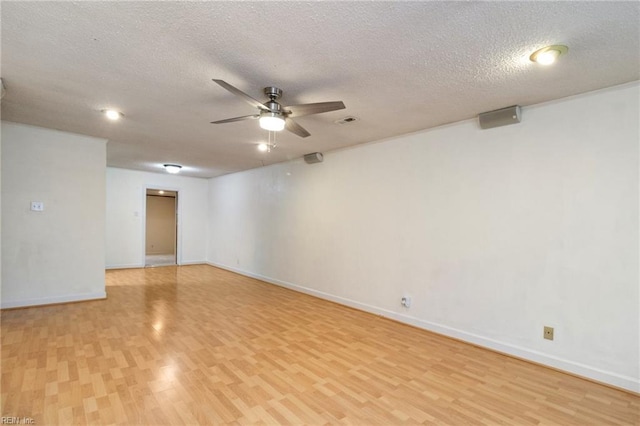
(275, 117)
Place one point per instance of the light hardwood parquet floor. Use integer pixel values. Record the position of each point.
(199, 345)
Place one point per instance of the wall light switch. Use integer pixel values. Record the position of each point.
(37, 206)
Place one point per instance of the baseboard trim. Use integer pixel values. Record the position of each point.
(193, 262)
(571, 367)
(69, 298)
(140, 266)
(125, 266)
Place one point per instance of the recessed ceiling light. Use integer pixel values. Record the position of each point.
(549, 54)
(172, 168)
(112, 114)
(263, 147)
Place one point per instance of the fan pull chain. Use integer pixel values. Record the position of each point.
(272, 140)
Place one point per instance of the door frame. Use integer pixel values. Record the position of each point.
(178, 221)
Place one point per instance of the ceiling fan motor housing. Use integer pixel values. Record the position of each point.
(273, 106)
(272, 92)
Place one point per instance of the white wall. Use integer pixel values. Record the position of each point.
(126, 195)
(56, 255)
(494, 233)
(0, 219)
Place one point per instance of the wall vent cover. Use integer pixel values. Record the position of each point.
(314, 157)
(500, 117)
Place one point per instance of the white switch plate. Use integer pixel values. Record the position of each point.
(37, 206)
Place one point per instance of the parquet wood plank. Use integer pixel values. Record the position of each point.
(199, 345)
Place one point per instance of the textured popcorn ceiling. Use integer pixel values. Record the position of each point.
(398, 66)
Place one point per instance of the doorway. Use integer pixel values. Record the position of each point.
(161, 227)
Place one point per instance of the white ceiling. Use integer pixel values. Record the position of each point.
(398, 66)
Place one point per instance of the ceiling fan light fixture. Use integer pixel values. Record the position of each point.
(172, 168)
(271, 121)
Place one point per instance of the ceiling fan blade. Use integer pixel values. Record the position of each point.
(294, 127)
(317, 108)
(231, 120)
(243, 95)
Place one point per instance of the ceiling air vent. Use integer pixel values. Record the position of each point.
(346, 120)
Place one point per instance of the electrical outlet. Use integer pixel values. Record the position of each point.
(406, 301)
(548, 333)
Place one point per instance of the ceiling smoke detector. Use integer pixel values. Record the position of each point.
(346, 120)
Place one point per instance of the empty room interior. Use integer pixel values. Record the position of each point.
(320, 213)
